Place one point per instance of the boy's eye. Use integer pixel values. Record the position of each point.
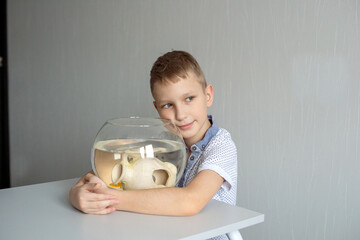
(166, 105)
(189, 99)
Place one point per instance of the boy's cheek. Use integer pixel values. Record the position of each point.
(163, 114)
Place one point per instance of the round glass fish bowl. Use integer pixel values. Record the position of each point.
(138, 153)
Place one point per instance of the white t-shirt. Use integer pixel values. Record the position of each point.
(216, 152)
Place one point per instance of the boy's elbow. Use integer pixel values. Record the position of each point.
(191, 211)
(192, 207)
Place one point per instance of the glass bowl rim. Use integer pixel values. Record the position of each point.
(142, 121)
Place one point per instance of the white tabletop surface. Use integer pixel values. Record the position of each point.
(43, 211)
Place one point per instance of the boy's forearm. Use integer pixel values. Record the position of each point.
(162, 201)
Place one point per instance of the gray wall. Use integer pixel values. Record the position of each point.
(286, 79)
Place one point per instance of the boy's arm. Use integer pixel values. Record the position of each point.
(174, 201)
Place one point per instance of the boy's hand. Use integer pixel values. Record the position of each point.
(91, 178)
(83, 197)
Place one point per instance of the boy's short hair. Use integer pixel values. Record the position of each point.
(175, 64)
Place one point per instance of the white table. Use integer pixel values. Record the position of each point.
(43, 211)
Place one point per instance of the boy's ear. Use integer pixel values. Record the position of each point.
(155, 105)
(209, 92)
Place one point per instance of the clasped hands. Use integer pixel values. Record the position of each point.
(91, 195)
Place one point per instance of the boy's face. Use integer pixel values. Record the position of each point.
(185, 103)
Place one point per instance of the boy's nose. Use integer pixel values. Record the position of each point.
(180, 114)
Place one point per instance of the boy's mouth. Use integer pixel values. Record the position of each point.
(186, 126)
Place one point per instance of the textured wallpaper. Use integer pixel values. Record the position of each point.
(286, 77)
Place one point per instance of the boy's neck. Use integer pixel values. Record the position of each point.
(191, 141)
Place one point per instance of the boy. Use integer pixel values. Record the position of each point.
(181, 95)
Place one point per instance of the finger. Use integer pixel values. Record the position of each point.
(90, 193)
(102, 204)
(103, 211)
(97, 197)
(89, 200)
(94, 186)
(91, 177)
(102, 207)
(91, 187)
(88, 176)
